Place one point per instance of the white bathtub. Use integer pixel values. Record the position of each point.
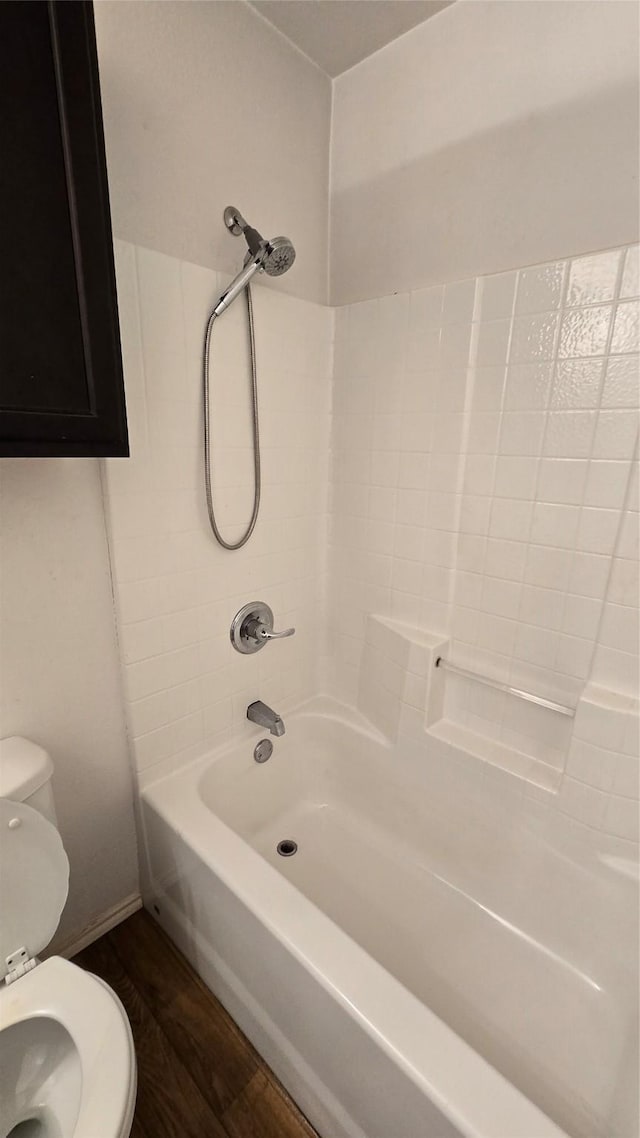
(431, 962)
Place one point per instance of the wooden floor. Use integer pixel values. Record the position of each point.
(198, 1075)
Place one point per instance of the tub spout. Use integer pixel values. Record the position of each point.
(259, 713)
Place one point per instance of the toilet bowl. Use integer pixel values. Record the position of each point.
(67, 1061)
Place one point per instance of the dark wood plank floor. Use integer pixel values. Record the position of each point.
(198, 1075)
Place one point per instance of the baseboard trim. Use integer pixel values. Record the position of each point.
(101, 925)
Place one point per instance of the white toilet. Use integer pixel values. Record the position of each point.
(67, 1062)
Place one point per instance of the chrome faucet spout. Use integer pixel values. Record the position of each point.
(264, 716)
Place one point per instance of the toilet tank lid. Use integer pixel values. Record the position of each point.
(24, 768)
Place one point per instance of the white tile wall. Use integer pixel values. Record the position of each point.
(177, 590)
(484, 486)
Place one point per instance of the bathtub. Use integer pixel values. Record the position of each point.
(434, 960)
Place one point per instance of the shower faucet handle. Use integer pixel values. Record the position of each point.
(268, 634)
(252, 627)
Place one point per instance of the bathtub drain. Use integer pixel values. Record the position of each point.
(287, 847)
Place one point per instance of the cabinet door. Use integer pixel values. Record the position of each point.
(61, 387)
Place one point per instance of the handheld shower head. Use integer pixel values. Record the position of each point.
(273, 257)
(279, 255)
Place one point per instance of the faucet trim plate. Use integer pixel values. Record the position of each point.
(252, 627)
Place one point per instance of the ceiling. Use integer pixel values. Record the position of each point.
(336, 34)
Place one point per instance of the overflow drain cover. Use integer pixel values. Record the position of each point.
(287, 847)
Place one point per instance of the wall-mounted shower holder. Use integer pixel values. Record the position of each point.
(233, 220)
(252, 627)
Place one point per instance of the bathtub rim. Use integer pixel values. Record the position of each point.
(460, 1082)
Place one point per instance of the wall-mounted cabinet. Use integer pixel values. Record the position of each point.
(61, 385)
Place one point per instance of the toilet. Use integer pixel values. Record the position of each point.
(67, 1061)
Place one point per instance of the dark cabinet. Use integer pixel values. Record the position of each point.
(61, 385)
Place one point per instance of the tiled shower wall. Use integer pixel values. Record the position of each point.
(484, 488)
(177, 590)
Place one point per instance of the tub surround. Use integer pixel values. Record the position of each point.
(484, 494)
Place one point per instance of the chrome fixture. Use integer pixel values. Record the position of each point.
(263, 750)
(272, 257)
(252, 627)
(561, 708)
(259, 713)
(287, 847)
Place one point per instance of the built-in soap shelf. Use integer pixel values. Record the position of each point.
(402, 692)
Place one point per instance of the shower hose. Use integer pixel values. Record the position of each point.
(207, 432)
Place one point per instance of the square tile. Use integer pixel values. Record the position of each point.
(540, 288)
(492, 343)
(533, 338)
(577, 384)
(554, 525)
(593, 279)
(458, 303)
(589, 574)
(515, 477)
(597, 530)
(510, 520)
(607, 484)
(562, 480)
(425, 309)
(622, 382)
(522, 433)
(527, 387)
(585, 331)
(547, 567)
(569, 434)
(479, 473)
(615, 434)
(626, 328)
(498, 294)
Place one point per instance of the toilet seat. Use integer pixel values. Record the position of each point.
(34, 884)
(100, 1034)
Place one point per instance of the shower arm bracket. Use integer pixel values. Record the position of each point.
(234, 220)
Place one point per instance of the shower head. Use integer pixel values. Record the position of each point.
(273, 257)
(279, 255)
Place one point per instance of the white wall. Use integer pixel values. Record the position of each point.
(205, 105)
(494, 135)
(60, 681)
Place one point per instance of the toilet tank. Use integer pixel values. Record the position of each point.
(25, 775)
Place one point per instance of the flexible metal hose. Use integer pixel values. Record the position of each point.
(256, 436)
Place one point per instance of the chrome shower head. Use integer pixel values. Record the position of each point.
(273, 257)
(276, 256)
(279, 255)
